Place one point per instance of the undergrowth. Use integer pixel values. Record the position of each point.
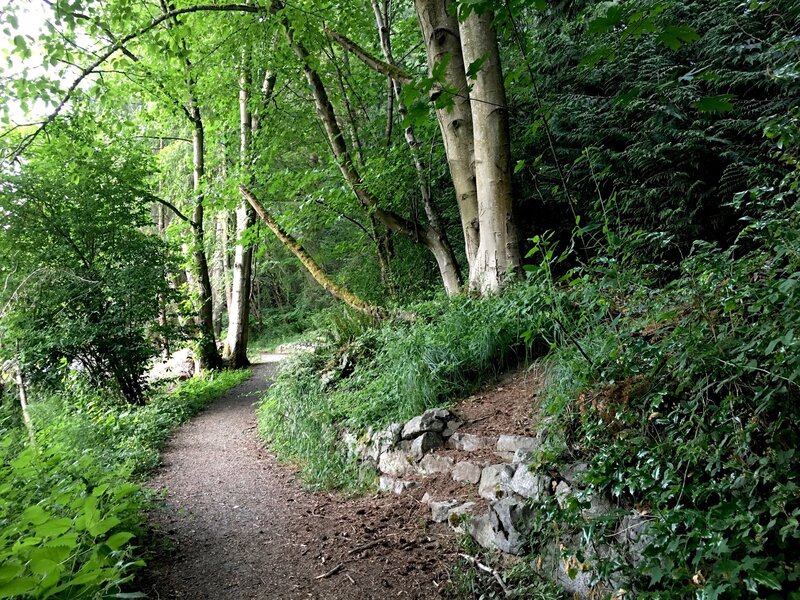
(71, 505)
(678, 387)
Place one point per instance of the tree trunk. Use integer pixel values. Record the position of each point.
(23, 403)
(239, 316)
(498, 252)
(310, 264)
(420, 233)
(208, 356)
(442, 43)
(434, 218)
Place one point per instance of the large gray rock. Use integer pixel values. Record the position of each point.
(451, 427)
(510, 518)
(387, 439)
(481, 530)
(562, 493)
(561, 562)
(469, 442)
(528, 485)
(431, 464)
(632, 533)
(431, 420)
(575, 473)
(467, 472)
(523, 457)
(454, 516)
(512, 443)
(425, 443)
(440, 510)
(598, 507)
(395, 486)
(495, 481)
(394, 463)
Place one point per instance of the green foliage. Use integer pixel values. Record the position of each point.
(685, 407)
(87, 279)
(655, 110)
(70, 512)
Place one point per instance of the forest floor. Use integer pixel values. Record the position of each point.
(235, 523)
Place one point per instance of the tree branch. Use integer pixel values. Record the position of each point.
(118, 47)
(373, 63)
(169, 205)
(310, 264)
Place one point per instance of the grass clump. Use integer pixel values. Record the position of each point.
(71, 505)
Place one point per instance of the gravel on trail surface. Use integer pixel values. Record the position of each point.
(236, 524)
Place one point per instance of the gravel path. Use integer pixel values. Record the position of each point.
(236, 524)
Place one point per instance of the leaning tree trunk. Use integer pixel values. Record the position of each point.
(498, 252)
(442, 44)
(310, 264)
(239, 315)
(420, 233)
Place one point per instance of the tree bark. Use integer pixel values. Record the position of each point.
(498, 252)
(239, 316)
(418, 232)
(442, 44)
(310, 264)
(434, 218)
(208, 356)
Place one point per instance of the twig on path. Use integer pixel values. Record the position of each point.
(488, 569)
(350, 578)
(333, 571)
(363, 547)
(483, 418)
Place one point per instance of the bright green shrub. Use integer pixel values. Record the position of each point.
(70, 507)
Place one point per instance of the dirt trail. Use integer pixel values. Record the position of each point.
(236, 524)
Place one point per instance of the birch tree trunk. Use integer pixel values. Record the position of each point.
(418, 232)
(498, 252)
(23, 403)
(238, 317)
(442, 44)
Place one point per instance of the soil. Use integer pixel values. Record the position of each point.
(237, 524)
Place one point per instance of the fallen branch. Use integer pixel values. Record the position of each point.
(363, 547)
(333, 571)
(488, 569)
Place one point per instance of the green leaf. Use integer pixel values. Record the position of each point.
(101, 527)
(116, 541)
(35, 515)
(715, 103)
(17, 587)
(43, 566)
(11, 570)
(674, 36)
(475, 66)
(54, 527)
(602, 24)
(519, 166)
(766, 579)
